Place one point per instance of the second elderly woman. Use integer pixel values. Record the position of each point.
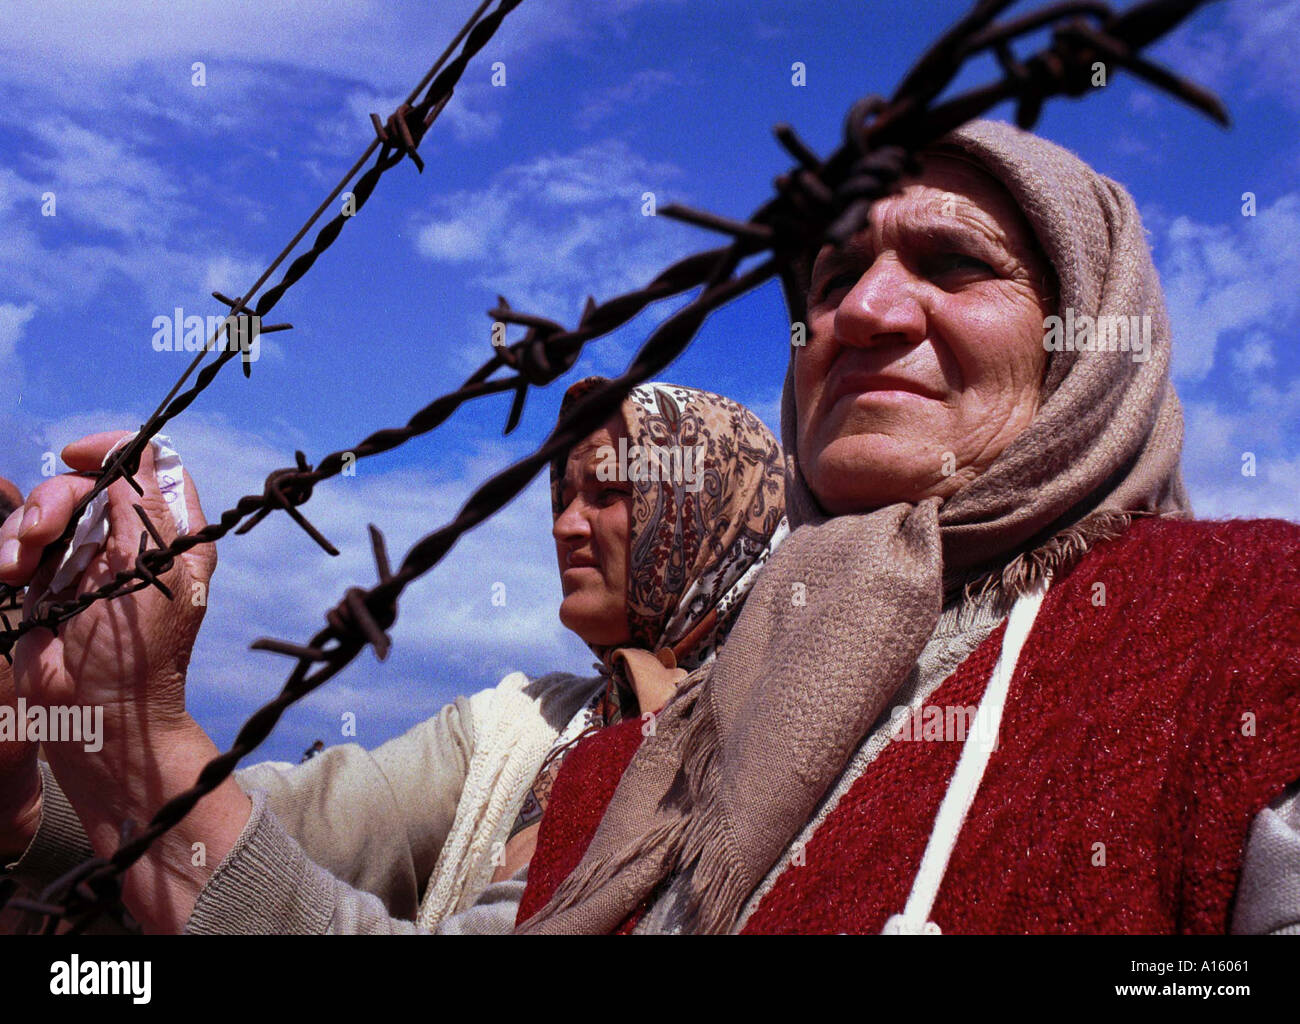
(662, 519)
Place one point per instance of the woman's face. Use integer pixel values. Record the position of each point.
(924, 356)
(591, 543)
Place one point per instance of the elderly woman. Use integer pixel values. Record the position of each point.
(995, 680)
(431, 831)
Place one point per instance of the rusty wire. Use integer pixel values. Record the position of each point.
(818, 201)
(395, 141)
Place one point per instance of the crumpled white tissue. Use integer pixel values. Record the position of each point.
(93, 526)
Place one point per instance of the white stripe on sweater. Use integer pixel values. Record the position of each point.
(915, 918)
(511, 739)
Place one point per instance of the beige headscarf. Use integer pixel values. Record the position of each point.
(741, 758)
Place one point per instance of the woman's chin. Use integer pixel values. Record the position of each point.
(597, 627)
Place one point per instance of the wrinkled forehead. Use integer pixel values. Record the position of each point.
(954, 171)
(953, 191)
(587, 451)
(579, 462)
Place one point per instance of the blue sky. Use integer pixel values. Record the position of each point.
(166, 190)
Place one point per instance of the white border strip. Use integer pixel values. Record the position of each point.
(915, 918)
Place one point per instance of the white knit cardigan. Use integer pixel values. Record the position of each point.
(512, 736)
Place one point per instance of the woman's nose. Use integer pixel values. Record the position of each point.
(882, 308)
(571, 524)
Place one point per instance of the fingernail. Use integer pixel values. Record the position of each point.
(30, 518)
(9, 553)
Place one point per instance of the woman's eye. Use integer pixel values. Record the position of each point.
(610, 495)
(957, 263)
(844, 279)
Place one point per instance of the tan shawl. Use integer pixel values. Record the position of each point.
(741, 758)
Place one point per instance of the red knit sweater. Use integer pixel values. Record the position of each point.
(1146, 726)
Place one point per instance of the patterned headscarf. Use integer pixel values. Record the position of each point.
(705, 516)
(696, 543)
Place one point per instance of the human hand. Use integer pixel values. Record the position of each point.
(127, 656)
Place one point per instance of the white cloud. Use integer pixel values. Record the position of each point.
(641, 87)
(384, 44)
(1228, 315)
(1252, 40)
(1255, 353)
(1222, 278)
(96, 91)
(15, 189)
(105, 186)
(463, 239)
(230, 274)
(40, 260)
(101, 182)
(550, 231)
(469, 115)
(468, 118)
(1240, 458)
(96, 36)
(13, 321)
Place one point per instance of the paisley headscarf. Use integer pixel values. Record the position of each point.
(697, 539)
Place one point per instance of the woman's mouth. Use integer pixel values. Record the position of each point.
(578, 560)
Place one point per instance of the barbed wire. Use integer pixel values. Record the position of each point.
(816, 202)
(396, 140)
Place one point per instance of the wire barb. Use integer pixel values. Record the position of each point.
(397, 132)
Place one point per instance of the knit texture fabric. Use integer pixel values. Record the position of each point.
(1154, 712)
(511, 739)
(964, 624)
(582, 791)
(746, 757)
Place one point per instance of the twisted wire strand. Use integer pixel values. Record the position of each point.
(477, 30)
